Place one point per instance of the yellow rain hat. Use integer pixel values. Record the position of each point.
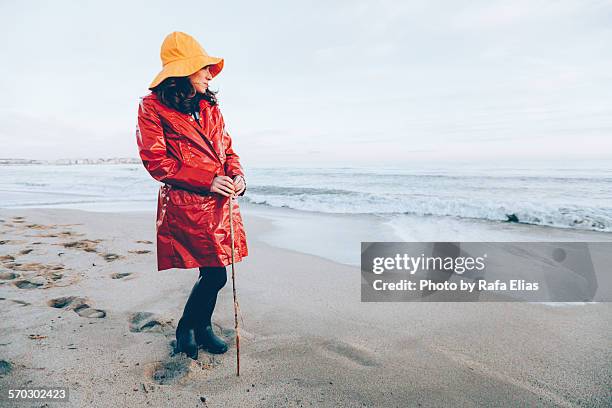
(182, 56)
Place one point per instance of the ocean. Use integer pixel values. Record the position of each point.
(568, 198)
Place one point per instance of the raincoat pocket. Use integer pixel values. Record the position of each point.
(191, 227)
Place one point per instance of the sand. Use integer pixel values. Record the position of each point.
(83, 306)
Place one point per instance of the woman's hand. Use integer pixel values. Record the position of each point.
(239, 184)
(222, 185)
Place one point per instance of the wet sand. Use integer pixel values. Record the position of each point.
(83, 306)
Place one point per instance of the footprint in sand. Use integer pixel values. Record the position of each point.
(139, 251)
(40, 227)
(66, 234)
(8, 275)
(169, 372)
(7, 261)
(5, 367)
(85, 310)
(31, 283)
(120, 275)
(56, 276)
(86, 245)
(354, 354)
(19, 302)
(62, 302)
(78, 305)
(89, 245)
(148, 322)
(110, 257)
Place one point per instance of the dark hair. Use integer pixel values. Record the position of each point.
(178, 93)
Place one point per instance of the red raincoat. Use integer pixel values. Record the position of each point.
(193, 227)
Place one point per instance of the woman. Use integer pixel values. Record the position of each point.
(183, 143)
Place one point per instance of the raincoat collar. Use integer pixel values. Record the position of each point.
(199, 136)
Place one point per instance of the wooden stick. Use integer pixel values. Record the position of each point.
(231, 209)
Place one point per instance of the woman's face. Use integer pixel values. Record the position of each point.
(200, 79)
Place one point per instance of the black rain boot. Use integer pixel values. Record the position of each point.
(206, 338)
(185, 329)
(185, 340)
(214, 279)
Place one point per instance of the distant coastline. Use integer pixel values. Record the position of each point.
(112, 160)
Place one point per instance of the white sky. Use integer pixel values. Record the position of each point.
(325, 83)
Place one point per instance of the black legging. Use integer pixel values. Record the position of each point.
(203, 298)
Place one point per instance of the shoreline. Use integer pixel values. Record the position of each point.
(300, 230)
(306, 338)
